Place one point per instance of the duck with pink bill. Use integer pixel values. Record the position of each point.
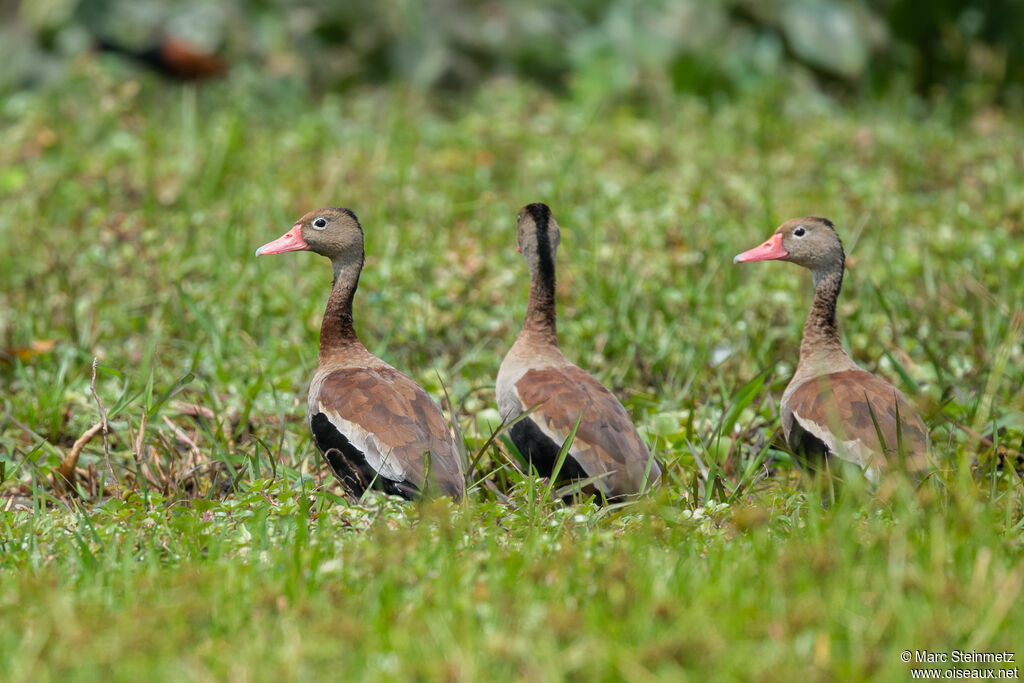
(831, 407)
(374, 425)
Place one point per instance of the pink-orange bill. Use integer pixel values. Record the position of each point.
(772, 249)
(290, 241)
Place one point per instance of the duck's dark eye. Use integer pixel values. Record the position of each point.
(800, 232)
(320, 223)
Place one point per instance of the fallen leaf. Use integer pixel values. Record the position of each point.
(25, 353)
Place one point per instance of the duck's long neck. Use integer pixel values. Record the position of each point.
(337, 333)
(540, 322)
(821, 330)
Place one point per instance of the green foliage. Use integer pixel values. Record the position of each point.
(221, 549)
(277, 584)
(603, 49)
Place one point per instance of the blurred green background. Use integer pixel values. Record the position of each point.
(971, 50)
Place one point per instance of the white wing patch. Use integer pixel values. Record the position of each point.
(377, 453)
(852, 450)
(559, 437)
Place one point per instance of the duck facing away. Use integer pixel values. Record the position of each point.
(536, 375)
(172, 58)
(373, 424)
(831, 407)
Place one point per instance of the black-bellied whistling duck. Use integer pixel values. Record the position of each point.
(831, 407)
(172, 57)
(535, 374)
(371, 422)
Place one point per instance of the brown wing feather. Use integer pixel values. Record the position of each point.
(184, 61)
(400, 414)
(843, 402)
(606, 440)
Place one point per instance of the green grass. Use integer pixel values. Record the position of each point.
(130, 213)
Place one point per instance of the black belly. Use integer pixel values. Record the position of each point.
(811, 452)
(349, 463)
(542, 452)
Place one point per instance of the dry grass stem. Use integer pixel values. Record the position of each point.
(106, 429)
(66, 470)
